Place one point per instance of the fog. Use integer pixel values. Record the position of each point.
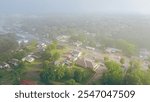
(74, 6)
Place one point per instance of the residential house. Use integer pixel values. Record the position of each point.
(76, 53)
(112, 50)
(14, 62)
(77, 44)
(90, 48)
(72, 57)
(144, 54)
(28, 58)
(4, 65)
(42, 46)
(63, 38)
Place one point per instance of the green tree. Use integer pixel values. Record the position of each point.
(106, 58)
(127, 47)
(78, 75)
(114, 74)
(122, 61)
(48, 74)
(68, 73)
(135, 75)
(55, 56)
(60, 72)
(17, 73)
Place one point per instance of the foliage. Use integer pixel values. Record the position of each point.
(122, 60)
(135, 75)
(51, 52)
(114, 74)
(127, 47)
(60, 72)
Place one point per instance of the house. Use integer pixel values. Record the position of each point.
(112, 50)
(77, 44)
(1, 67)
(63, 38)
(14, 62)
(87, 63)
(76, 53)
(90, 48)
(72, 57)
(144, 54)
(4, 65)
(28, 58)
(42, 46)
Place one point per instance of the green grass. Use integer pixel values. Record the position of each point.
(32, 71)
(33, 66)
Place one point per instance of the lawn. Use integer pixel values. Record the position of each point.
(32, 71)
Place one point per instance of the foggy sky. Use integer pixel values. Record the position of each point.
(74, 6)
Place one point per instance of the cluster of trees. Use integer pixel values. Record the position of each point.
(52, 73)
(128, 48)
(17, 73)
(116, 75)
(51, 53)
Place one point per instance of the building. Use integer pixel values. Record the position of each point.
(28, 58)
(14, 62)
(90, 48)
(4, 65)
(77, 44)
(76, 53)
(144, 54)
(112, 50)
(63, 38)
(42, 46)
(87, 63)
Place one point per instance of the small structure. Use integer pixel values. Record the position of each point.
(63, 38)
(76, 53)
(77, 44)
(90, 48)
(112, 50)
(14, 62)
(42, 46)
(87, 63)
(4, 65)
(72, 57)
(28, 58)
(144, 54)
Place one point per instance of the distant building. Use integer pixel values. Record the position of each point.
(42, 46)
(144, 54)
(14, 62)
(78, 43)
(4, 65)
(72, 57)
(63, 38)
(76, 53)
(28, 58)
(90, 48)
(112, 50)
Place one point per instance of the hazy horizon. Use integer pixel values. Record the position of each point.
(74, 6)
